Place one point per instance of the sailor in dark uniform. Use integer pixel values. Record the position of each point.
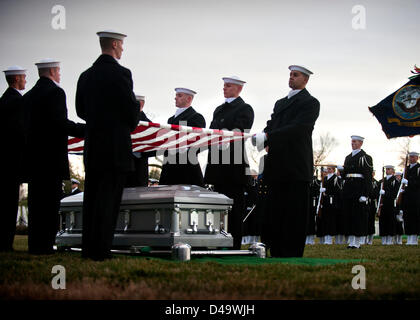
(313, 203)
(320, 232)
(106, 101)
(373, 202)
(288, 136)
(181, 166)
(388, 212)
(46, 122)
(13, 144)
(227, 163)
(399, 227)
(140, 176)
(357, 187)
(75, 187)
(331, 204)
(340, 238)
(411, 200)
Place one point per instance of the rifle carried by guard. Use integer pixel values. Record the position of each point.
(378, 209)
(319, 206)
(401, 188)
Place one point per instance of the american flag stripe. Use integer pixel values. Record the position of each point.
(149, 136)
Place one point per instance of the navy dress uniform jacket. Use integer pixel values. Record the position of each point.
(289, 140)
(105, 100)
(230, 116)
(186, 173)
(47, 130)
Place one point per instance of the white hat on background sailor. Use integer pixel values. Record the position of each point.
(300, 68)
(357, 138)
(75, 181)
(186, 91)
(140, 98)
(14, 71)
(111, 34)
(47, 63)
(234, 80)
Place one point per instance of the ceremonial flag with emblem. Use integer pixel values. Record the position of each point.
(399, 113)
(149, 136)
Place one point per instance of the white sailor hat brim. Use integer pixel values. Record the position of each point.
(75, 181)
(357, 138)
(111, 34)
(140, 98)
(186, 91)
(234, 80)
(389, 166)
(295, 67)
(413, 154)
(14, 71)
(47, 63)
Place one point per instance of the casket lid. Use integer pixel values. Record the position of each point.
(162, 194)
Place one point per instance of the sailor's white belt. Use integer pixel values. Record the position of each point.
(354, 175)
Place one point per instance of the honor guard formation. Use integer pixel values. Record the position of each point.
(285, 209)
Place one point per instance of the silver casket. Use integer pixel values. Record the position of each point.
(158, 216)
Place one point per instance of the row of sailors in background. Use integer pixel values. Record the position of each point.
(394, 201)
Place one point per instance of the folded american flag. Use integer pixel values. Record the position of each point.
(149, 136)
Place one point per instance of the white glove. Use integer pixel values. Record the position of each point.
(258, 140)
(401, 212)
(340, 168)
(404, 181)
(362, 199)
(382, 192)
(322, 189)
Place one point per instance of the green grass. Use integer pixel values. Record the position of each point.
(392, 272)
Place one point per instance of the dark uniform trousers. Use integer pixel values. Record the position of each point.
(313, 202)
(43, 218)
(102, 198)
(237, 214)
(289, 208)
(373, 200)
(11, 129)
(9, 191)
(387, 218)
(411, 201)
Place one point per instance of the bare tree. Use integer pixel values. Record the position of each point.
(323, 147)
(405, 146)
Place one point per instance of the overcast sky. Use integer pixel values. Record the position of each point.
(194, 43)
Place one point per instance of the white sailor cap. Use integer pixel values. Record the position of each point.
(389, 166)
(413, 154)
(302, 69)
(140, 98)
(111, 34)
(75, 181)
(14, 71)
(357, 138)
(398, 173)
(234, 80)
(47, 63)
(186, 91)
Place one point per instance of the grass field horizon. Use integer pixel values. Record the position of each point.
(325, 272)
